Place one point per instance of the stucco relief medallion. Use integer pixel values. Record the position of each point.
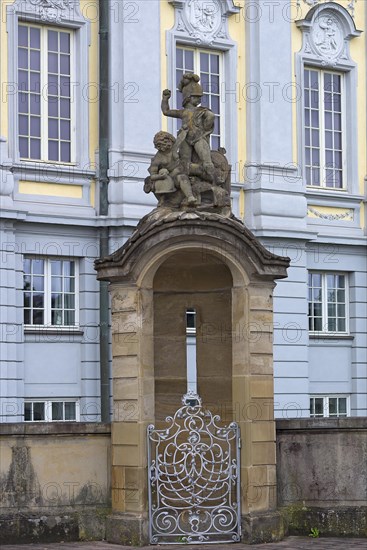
(327, 37)
(204, 17)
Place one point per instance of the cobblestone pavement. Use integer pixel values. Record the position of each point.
(290, 543)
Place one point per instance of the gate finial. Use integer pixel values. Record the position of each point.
(191, 399)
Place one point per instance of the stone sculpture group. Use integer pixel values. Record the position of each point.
(185, 173)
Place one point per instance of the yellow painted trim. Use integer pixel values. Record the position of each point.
(51, 189)
(236, 27)
(167, 19)
(242, 199)
(4, 124)
(92, 196)
(363, 216)
(358, 53)
(90, 10)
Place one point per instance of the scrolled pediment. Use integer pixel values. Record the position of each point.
(327, 30)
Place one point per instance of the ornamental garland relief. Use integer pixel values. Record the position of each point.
(348, 215)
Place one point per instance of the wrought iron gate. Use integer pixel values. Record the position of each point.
(194, 478)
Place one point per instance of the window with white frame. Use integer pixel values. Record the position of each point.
(50, 292)
(328, 302)
(45, 119)
(329, 406)
(323, 115)
(208, 65)
(191, 319)
(51, 411)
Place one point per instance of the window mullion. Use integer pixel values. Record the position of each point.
(322, 130)
(343, 130)
(325, 319)
(347, 303)
(326, 407)
(47, 293)
(197, 67)
(63, 293)
(222, 120)
(76, 287)
(44, 91)
(73, 100)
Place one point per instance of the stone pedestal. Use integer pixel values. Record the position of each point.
(176, 260)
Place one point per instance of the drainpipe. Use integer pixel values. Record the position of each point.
(103, 204)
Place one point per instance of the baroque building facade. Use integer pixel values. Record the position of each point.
(80, 103)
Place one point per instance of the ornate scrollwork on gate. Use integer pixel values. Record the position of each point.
(194, 477)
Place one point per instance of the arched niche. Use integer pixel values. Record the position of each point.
(200, 281)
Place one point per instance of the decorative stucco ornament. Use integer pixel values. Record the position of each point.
(351, 6)
(203, 16)
(327, 31)
(50, 11)
(204, 20)
(327, 36)
(348, 215)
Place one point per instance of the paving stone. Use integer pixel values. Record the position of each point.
(290, 543)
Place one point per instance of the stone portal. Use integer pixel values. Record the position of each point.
(176, 261)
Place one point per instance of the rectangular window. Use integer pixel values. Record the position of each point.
(51, 411)
(44, 93)
(323, 111)
(191, 321)
(329, 406)
(207, 64)
(50, 292)
(328, 302)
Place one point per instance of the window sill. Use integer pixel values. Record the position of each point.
(52, 330)
(57, 168)
(55, 163)
(55, 428)
(331, 192)
(328, 336)
(317, 189)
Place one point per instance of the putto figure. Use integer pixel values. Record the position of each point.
(166, 171)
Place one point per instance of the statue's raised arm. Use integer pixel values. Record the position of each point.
(174, 113)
